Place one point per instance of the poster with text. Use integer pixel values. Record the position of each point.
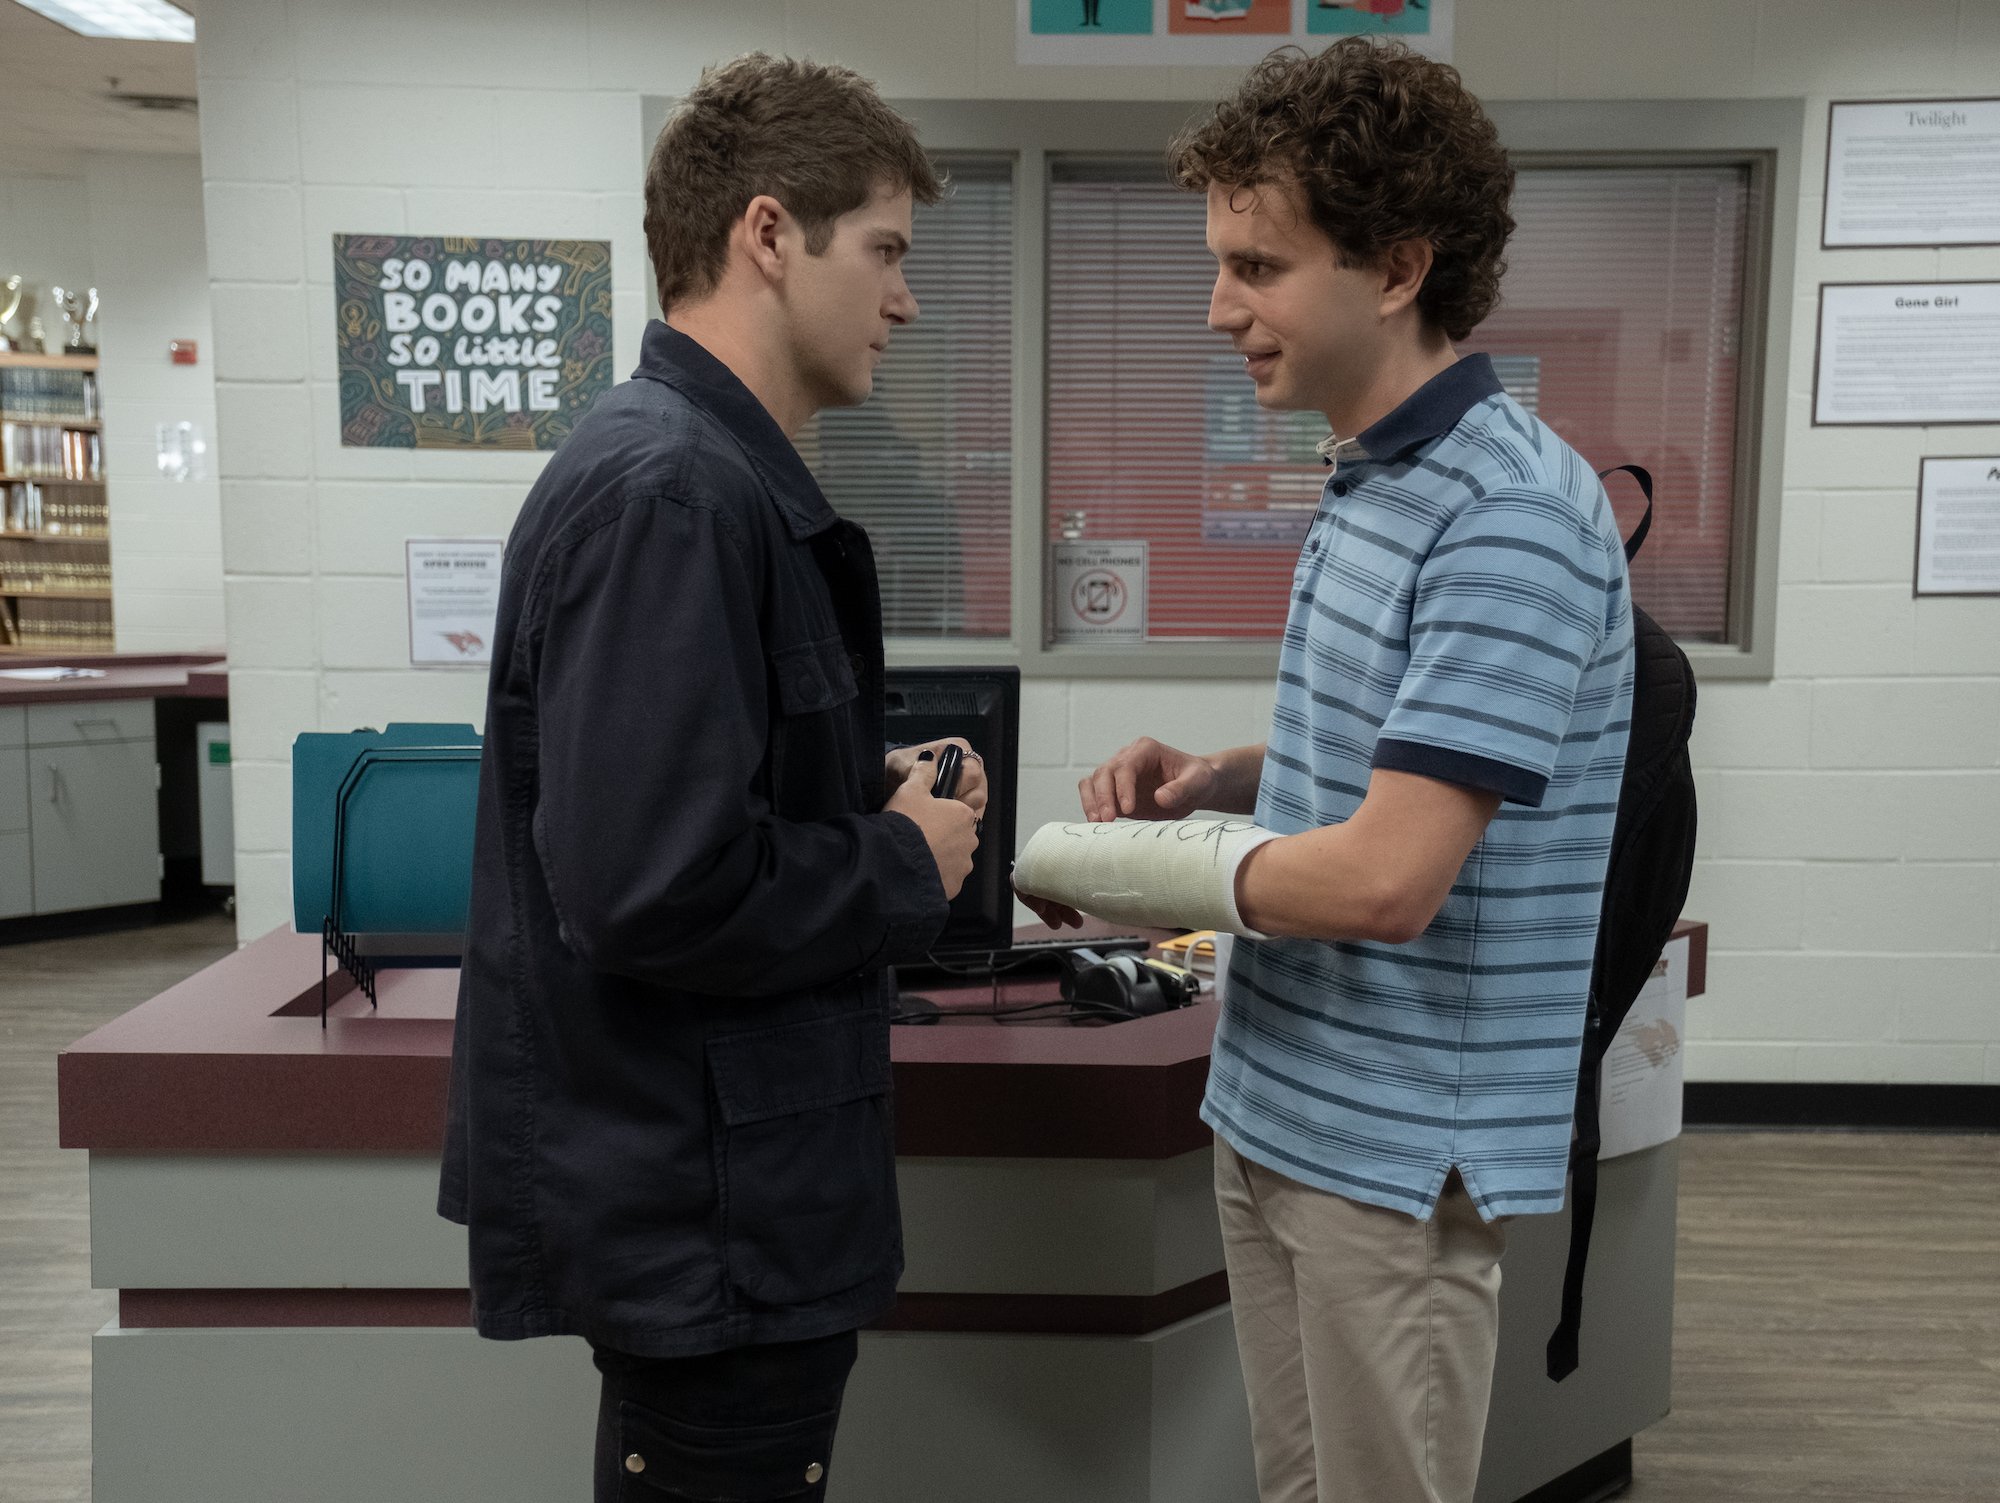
(1176, 33)
(454, 594)
(1907, 354)
(1639, 1100)
(1913, 173)
(455, 342)
(1958, 526)
(1099, 591)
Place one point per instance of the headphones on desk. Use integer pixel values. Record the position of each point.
(1123, 985)
(1093, 988)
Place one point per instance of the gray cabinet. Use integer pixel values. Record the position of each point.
(79, 807)
(17, 873)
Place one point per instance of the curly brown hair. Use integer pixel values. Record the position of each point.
(814, 136)
(1385, 145)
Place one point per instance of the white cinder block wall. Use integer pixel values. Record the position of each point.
(1851, 856)
(166, 535)
(130, 224)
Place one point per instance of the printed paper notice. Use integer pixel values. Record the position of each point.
(1914, 173)
(1958, 527)
(1639, 1099)
(1100, 592)
(1908, 353)
(454, 586)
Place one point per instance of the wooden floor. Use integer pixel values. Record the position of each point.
(1837, 1334)
(50, 994)
(1836, 1322)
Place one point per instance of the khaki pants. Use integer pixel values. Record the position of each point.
(1367, 1338)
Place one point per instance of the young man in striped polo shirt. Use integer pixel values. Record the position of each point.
(1394, 1070)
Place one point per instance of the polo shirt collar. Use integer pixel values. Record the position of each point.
(1428, 413)
(669, 356)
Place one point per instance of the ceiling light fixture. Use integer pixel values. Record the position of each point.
(128, 20)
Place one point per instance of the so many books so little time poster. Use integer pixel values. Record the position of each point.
(1184, 32)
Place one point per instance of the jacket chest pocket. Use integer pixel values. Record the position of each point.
(807, 1158)
(813, 769)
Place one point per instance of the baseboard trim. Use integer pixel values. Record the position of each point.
(1605, 1475)
(1836, 1104)
(1056, 1314)
(30, 928)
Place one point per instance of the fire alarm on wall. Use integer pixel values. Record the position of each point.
(183, 351)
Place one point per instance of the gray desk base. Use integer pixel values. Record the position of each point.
(329, 1414)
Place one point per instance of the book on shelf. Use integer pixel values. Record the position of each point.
(56, 625)
(42, 452)
(48, 396)
(25, 506)
(55, 562)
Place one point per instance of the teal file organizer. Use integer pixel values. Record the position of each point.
(382, 844)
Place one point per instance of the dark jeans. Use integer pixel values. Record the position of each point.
(740, 1426)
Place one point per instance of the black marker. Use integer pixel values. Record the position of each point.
(950, 760)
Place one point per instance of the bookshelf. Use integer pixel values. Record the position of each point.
(55, 517)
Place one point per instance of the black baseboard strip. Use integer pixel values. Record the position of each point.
(1605, 1475)
(27, 930)
(1812, 1104)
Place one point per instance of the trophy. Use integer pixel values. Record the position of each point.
(76, 314)
(10, 295)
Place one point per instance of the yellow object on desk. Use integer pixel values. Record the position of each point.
(1195, 952)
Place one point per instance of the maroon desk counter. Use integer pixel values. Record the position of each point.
(262, 1201)
(126, 675)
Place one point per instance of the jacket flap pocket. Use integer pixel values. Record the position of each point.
(732, 1464)
(813, 676)
(779, 1072)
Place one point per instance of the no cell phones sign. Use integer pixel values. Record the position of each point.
(1100, 592)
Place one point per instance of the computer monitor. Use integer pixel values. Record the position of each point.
(984, 706)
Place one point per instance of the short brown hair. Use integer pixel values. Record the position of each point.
(816, 137)
(1385, 145)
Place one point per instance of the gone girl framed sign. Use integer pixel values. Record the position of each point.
(464, 342)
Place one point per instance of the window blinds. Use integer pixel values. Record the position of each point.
(1621, 326)
(1627, 283)
(1153, 429)
(925, 464)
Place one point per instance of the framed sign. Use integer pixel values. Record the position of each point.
(1912, 172)
(1907, 354)
(460, 343)
(1958, 526)
(1178, 33)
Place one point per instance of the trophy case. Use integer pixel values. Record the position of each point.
(55, 549)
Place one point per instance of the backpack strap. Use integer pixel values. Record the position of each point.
(1564, 1343)
(1645, 479)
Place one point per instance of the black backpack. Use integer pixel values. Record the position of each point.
(1645, 887)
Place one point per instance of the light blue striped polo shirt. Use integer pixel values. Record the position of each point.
(1460, 610)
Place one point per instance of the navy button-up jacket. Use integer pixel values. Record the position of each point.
(669, 1126)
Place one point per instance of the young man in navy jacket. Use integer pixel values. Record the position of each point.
(669, 1127)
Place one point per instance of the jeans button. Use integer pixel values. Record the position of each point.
(635, 1463)
(815, 1472)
